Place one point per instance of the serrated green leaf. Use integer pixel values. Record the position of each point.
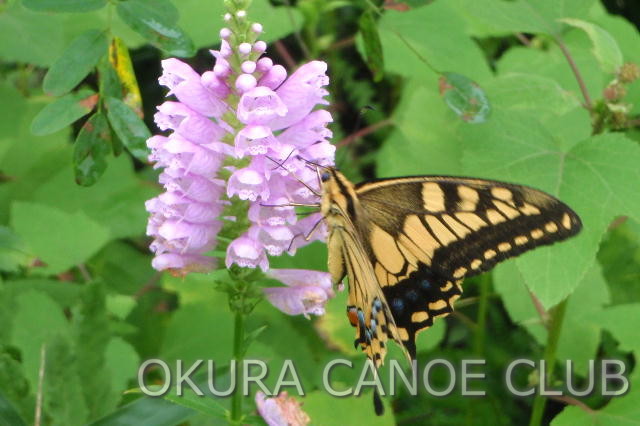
(92, 336)
(76, 62)
(372, 45)
(75, 6)
(129, 127)
(156, 22)
(63, 111)
(91, 149)
(605, 47)
(62, 390)
(605, 164)
(464, 97)
(61, 240)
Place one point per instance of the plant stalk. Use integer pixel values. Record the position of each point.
(238, 356)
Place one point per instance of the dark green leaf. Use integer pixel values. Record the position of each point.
(63, 111)
(64, 5)
(147, 412)
(464, 97)
(8, 414)
(91, 149)
(619, 256)
(372, 45)
(129, 127)
(76, 62)
(156, 22)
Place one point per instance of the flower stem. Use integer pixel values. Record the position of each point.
(238, 356)
(555, 328)
(480, 331)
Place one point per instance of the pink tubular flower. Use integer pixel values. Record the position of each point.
(267, 128)
(282, 410)
(306, 292)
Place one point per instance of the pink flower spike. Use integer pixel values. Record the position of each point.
(256, 27)
(248, 67)
(248, 184)
(194, 126)
(260, 106)
(306, 293)
(254, 140)
(182, 264)
(260, 46)
(274, 239)
(245, 82)
(282, 410)
(244, 48)
(301, 92)
(247, 253)
(274, 77)
(264, 64)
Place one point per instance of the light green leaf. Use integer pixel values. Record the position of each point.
(74, 6)
(76, 62)
(122, 361)
(195, 18)
(61, 240)
(516, 148)
(623, 322)
(63, 111)
(423, 39)
(605, 47)
(13, 252)
(495, 18)
(372, 46)
(619, 256)
(33, 310)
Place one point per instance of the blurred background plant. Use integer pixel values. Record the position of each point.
(542, 93)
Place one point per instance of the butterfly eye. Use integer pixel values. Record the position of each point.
(325, 176)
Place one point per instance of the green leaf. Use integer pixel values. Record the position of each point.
(464, 97)
(490, 17)
(29, 37)
(372, 45)
(61, 240)
(75, 6)
(110, 85)
(122, 362)
(605, 47)
(324, 409)
(63, 111)
(13, 252)
(63, 390)
(8, 414)
(92, 336)
(623, 322)
(147, 412)
(516, 148)
(64, 293)
(129, 127)
(195, 18)
(28, 334)
(621, 410)
(619, 256)
(422, 40)
(76, 62)
(91, 149)
(155, 20)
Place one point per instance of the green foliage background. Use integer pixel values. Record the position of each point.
(80, 302)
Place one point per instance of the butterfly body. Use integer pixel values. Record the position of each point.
(406, 244)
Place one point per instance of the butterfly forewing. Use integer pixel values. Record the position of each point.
(407, 243)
